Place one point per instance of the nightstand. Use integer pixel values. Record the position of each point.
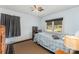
(34, 31)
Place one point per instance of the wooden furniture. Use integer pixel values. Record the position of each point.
(10, 49)
(34, 31)
(72, 42)
(2, 40)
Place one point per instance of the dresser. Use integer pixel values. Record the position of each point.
(2, 40)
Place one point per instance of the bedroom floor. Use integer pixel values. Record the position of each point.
(29, 47)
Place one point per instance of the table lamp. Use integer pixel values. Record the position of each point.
(72, 42)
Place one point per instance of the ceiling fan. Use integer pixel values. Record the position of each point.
(37, 8)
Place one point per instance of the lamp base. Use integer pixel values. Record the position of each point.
(76, 52)
(73, 52)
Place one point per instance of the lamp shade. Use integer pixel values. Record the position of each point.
(77, 33)
(72, 42)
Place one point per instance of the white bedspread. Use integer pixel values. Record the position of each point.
(46, 40)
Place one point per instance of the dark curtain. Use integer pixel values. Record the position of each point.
(11, 27)
(12, 24)
(18, 33)
(5, 20)
(16, 26)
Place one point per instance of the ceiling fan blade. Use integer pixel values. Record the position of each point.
(37, 7)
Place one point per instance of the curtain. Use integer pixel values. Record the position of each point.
(16, 26)
(12, 24)
(5, 20)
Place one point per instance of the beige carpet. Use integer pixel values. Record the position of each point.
(29, 47)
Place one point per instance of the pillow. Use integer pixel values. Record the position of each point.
(55, 36)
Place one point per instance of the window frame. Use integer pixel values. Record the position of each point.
(53, 26)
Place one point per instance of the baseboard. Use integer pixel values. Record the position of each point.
(22, 41)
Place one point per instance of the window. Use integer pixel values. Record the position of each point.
(49, 26)
(54, 25)
(58, 26)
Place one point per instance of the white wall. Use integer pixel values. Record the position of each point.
(70, 20)
(27, 21)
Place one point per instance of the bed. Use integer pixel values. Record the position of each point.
(46, 40)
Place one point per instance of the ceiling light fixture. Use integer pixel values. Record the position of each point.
(37, 8)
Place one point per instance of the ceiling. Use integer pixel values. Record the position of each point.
(47, 9)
